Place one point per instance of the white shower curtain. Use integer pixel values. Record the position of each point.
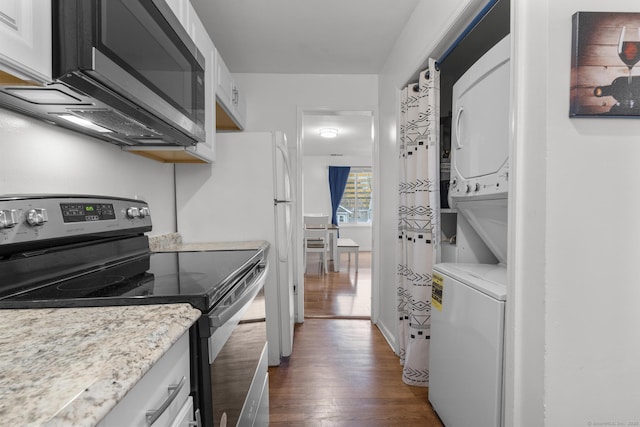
(419, 220)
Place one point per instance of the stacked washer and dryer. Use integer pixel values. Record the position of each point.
(469, 295)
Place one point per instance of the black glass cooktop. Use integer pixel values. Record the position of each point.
(200, 278)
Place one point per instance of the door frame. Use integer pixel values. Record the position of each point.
(299, 211)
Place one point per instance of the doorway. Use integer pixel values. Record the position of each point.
(344, 293)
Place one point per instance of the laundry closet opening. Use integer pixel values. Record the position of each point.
(344, 290)
(470, 281)
(489, 29)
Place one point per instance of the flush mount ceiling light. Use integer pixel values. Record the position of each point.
(328, 133)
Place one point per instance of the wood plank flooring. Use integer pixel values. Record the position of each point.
(342, 372)
(338, 294)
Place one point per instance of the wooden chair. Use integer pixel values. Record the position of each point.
(314, 220)
(316, 238)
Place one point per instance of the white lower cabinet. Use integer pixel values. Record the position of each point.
(185, 416)
(161, 397)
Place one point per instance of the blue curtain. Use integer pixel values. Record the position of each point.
(338, 176)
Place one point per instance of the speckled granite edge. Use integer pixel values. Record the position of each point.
(216, 246)
(164, 241)
(171, 242)
(71, 366)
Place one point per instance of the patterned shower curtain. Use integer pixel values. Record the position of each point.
(419, 223)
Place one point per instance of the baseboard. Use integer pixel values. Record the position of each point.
(388, 336)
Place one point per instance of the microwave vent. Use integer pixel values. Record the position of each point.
(117, 122)
(47, 96)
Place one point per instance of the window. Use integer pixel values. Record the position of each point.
(355, 206)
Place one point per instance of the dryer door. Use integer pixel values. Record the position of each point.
(480, 130)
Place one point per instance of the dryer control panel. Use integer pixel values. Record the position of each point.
(479, 187)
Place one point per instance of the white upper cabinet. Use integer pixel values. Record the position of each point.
(204, 44)
(224, 88)
(230, 106)
(25, 40)
(180, 8)
(204, 151)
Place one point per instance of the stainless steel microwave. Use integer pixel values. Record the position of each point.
(124, 70)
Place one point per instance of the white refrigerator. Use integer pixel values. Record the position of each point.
(246, 195)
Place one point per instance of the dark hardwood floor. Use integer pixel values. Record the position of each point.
(342, 371)
(342, 294)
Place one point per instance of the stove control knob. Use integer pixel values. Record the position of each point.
(37, 217)
(477, 187)
(8, 218)
(144, 212)
(468, 189)
(133, 212)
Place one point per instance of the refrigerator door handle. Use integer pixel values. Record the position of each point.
(276, 201)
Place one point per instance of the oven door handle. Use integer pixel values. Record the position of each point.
(222, 315)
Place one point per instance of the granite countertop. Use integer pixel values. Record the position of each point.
(173, 242)
(219, 246)
(71, 366)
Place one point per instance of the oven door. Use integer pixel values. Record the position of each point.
(238, 359)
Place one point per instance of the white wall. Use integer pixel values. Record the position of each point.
(576, 245)
(315, 185)
(317, 197)
(275, 101)
(36, 157)
(573, 306)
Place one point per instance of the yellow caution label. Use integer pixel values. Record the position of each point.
(436, 291)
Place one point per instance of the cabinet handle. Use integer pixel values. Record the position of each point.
(235, 96)
(174, 390)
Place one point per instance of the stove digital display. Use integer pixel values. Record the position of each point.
(87, 212)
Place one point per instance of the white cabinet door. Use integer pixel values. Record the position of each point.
(204, 151)
(240, 106)
(224, 88)
(230, 111)
(180, 9)
(185, 416)
(25, 39)
(204, 44)
(165, 386)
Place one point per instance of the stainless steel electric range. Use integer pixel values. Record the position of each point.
(79, 250)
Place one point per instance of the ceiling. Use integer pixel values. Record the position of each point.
(310, 37)
(327, 37)
(354, 138)
(304, 36)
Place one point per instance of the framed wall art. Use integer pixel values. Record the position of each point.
(605, 51)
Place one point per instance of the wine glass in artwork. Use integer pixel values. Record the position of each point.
(629, 47)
